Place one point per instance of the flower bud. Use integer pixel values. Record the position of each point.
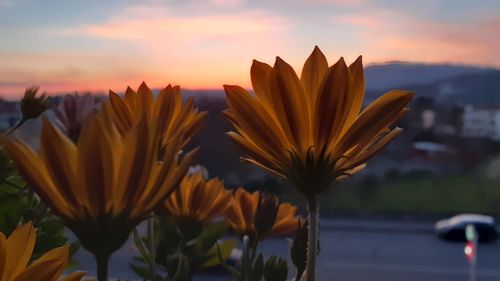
(275, 269)
(31, 105)
(267, 210)
(73, 111)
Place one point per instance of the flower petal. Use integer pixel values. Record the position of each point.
(373, 149)
(313, 72)
(377, 116)
(61, 253)
(331, 106)
(75, 276)
(119, 111)
(35, 173)
(260, 75)
(20, 245)
(3, 254)
(255, 121)
(254, 151)
(48, 270)
(60, 157)
(290, 104)
(357, 90)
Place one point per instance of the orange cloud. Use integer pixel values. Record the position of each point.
(65, 72)
(195, 28)
(156, 46)
(204, 44)
(200, 51)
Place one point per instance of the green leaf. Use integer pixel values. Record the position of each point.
(210, 235)
(52, 226)
(73, 248)
(45, 243)
(139, 270)
(258, 269)
(8, 189)
(226, 247)
(142, 247)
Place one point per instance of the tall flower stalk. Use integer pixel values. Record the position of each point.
(106, 183)
(312, 130)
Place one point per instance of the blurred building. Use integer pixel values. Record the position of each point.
(481, 122)
(9, 114)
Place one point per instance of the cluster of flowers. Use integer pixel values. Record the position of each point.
(105, 169)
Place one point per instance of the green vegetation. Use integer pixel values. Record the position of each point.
(421, 194)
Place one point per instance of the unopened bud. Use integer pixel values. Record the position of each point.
(73, 111)
(267, 210)
(31, 105)
(190, 228)
(275, 269)
(298, 251)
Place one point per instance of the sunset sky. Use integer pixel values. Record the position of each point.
(99, 45)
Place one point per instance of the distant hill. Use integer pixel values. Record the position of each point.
(397, 74)
(425, 79)
(380, 77)
(479, 89)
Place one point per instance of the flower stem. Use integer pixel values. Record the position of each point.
(152, 247)
(18, 124)
(312, 238)
(254, 243)
(102, 267)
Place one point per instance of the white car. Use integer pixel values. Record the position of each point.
(453, 229)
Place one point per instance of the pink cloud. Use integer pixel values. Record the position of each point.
(227, 3)
(335, 2)
(204, 44)
(393, 35)
(196, 27)
(206, 50)
(358, 20)
(193, 51)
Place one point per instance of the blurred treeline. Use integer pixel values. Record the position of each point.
(396, 182)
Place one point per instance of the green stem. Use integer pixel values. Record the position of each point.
(246, 262)
(179, 253)
(255, 243)
(312, 238)
(152, 247)
(102, 267)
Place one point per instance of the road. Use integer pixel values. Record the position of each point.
(368, 251)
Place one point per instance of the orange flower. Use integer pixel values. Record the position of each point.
(311, 130)
(177, 117)
(106, 183)
(72, 112)
(15, 253)
(198, 199)
(241, 216)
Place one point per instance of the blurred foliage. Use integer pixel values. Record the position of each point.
(275, 269)
(167, 253)
(417, 193)
(18, 205)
